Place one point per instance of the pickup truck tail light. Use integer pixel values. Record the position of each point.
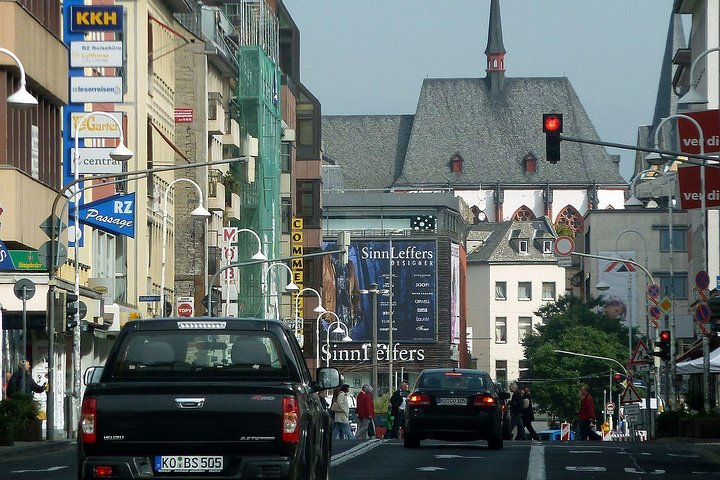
(484, 401)
(290, 419)
(88, 420)
(419, 400)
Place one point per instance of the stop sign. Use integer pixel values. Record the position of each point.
(185, 310)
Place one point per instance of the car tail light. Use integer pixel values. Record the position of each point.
(291, 419)
(103, 471)
(419, 400)
(484, 401)
(88, 420)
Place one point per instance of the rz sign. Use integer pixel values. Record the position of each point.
(123, 207)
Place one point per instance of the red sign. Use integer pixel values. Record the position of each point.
(689, 181)
(709, 121)
(184, 310)
(183, 115)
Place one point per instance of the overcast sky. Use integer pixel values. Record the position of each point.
(370, 56)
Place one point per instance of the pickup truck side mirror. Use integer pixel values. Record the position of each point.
(92, 375)
(328, 378)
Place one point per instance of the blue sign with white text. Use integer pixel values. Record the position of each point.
(114, 214)
(6, 262)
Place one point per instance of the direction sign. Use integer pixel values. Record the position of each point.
(148, 298)
(564, 246)
(702, 313)
(630, 395)
(640, 355)
(702, 280)
(653, 290)
(609, 407)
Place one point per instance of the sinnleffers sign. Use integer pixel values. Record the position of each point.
(413, 267)
(96, 54)
(96, 89)
(95, 161)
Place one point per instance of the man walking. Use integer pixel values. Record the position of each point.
(397, 408)
(365, 412)
(586, 415)
(516, 412)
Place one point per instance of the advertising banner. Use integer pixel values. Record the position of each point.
(455, 293)
(114, 214)
(709, 121)
(413, 268)
(621, 277)
(691, 188)
(96, 89)
(96, 54)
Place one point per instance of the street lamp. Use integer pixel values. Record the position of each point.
(337, 330)
(693, 97)
(290, 287)
(340, 329)
(21, 99)
(318, 309)
(259, 255)
(199, 212)
(374, 291)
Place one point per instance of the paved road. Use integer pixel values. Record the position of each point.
(435, 460)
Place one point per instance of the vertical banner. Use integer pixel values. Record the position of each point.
(621, 277)
(414, 288)
(454, 293)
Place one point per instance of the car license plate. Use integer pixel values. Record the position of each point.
(188, 463)
(451, 401)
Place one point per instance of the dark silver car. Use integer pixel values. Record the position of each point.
(454, 404)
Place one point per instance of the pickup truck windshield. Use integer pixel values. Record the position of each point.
(199, 355)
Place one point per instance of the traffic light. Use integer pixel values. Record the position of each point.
(714, 304)
(664, 344)
(71, 310)
(553, 127)
(618, 377)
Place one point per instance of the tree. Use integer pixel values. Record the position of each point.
(573, 325)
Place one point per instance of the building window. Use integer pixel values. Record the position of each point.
(571, 217)
(523, 214)
(677, 288)
(679, 239)
(501, 370)
(501, 291)
(500, 329)
(308, 202)
(524, 327)
(547, 246)
(524, 291)
(456, 164)
(523, 368)
(548, 291)
(523, 246)
(530, 164)
(286, 214)
(286, 157)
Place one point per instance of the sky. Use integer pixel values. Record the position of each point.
(370, 57)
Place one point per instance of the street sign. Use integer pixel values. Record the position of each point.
(564, 246)
(640, 355)
(149, 298)
(717, 282)
(630, 395)
(609, 407)
(631, 412)
(564, 262)
(654, 312)
(665, 304)
(653, 290)
(185, 306)
(44, 254)
(24, 289)
(702, 313)
(702, 280)
(82, 311)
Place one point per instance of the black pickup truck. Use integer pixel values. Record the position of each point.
(216, 398)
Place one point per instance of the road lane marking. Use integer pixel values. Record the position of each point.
(585, 451)
(429, 469)
(586, 469)
(454, 456)
(536, 463)
(359, 449)
(635, 470)
(50, 469)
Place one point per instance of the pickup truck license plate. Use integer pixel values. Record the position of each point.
(451, 401)
(188, 463)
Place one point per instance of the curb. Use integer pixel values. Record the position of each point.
(23, 449)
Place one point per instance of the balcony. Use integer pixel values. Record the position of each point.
(216, 114)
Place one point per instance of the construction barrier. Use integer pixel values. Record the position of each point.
(565, 431)
(606, 436)
(619, 437)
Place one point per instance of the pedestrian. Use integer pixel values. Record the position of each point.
(365, 413)
(323, 399)
(340, 405)
(398, 401)
(16, 381)
(529, 414)
(586, 415)
(516, 412)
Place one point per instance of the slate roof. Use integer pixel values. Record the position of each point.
(495, 242)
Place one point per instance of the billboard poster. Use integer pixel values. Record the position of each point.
(413, 268)
(621, 277)
(455, 293)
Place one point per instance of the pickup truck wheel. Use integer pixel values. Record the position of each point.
(411, 442)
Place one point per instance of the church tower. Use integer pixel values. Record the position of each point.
(495, 50)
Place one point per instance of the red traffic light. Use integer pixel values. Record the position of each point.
(617, 377)
(552, 123)
(665, 336)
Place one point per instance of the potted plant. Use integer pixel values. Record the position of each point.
(22, 413)
(6, 429)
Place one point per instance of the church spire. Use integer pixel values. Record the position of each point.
(495, 50)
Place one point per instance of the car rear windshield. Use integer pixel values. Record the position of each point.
(453, 381)
(199, 354)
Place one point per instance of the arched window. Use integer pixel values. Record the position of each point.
(571, 217)
(523, 214)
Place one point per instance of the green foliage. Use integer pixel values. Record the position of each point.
(564, 230)
(573, 325)
(381, 404)
(22, 406)
(668, 423)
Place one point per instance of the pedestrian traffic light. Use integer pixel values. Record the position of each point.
(553, 127)
(664, 344)
(71, 310)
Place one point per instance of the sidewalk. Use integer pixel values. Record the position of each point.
(23, 449)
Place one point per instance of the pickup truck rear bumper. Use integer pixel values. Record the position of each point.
(142, 468)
